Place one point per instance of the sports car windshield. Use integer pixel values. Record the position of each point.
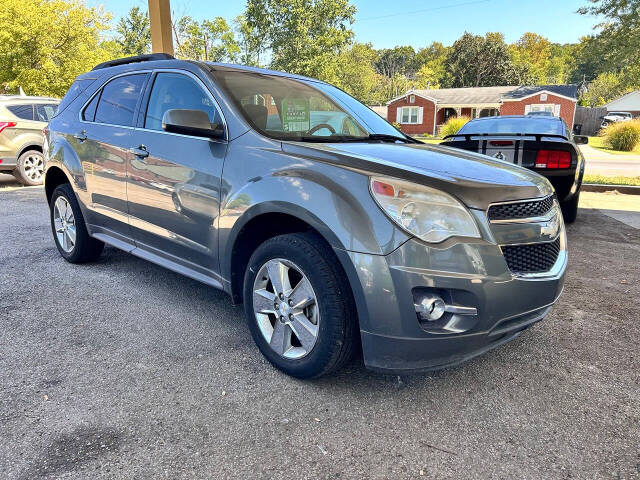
(285, 108)
(506, 124)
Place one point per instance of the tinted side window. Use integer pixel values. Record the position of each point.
(118, 100)
(174, 90)
(24, 111)
(45, 111)
(90, 110)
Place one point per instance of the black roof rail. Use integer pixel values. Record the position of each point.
(138, 58)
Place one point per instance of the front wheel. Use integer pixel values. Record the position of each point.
(299, 306)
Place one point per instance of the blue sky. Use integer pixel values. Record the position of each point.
(387, 23)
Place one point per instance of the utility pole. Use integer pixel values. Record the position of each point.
(160, 24)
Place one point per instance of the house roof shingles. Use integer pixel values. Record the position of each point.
(485, 95)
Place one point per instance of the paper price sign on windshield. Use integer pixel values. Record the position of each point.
(295, 113)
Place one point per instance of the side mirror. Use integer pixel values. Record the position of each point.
(190, 122)
(581, 139)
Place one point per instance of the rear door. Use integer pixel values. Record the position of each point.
(174, 179)
(102, 145)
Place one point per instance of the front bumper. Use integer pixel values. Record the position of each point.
(474, 274)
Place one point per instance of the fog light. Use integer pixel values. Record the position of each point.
(430, 308)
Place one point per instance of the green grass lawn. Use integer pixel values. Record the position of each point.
(600, 144)
(602, 180)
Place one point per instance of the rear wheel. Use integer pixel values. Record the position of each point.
(570, 208)
(299, 307)
(69, 230)
(30, 168)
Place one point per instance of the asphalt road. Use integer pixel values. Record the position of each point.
(598, 162)
(121, 369)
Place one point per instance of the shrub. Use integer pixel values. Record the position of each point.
(623, 136)
(452, 126)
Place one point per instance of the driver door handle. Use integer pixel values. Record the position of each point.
(81, 137)
(140, 151)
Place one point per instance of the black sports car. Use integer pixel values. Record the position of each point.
(541, 143)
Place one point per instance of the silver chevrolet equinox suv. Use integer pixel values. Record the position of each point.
(337, 232)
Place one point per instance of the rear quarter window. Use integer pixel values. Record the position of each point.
(23, 111)
(118, 100)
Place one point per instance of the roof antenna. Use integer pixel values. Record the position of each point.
(21, 92)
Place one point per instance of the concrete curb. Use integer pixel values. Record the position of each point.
(594, 187)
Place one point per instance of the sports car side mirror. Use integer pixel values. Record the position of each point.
(581, 139)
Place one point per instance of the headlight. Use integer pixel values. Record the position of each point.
(427, 213)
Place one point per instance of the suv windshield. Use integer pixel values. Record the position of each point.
(532, 124)
(290, 109)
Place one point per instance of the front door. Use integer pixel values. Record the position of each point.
(102, 144)
(174, 180)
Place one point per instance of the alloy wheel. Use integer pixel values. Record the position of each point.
(286, 308)
(64, 224)
(33, 166)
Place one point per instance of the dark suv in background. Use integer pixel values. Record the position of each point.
(333, 228)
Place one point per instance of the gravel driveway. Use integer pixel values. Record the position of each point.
(121, 369)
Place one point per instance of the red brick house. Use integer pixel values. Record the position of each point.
(424, 111)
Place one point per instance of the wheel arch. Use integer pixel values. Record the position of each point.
(54, 177)
(264, 223)
(30, 146)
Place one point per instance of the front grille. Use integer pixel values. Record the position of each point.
(532, 258)
(508, 211)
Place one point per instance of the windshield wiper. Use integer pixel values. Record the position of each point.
(390, 138)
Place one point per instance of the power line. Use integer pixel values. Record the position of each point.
(422, 10)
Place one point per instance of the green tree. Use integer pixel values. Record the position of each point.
(134, 34)
(397, 61)
(476, 61)
(304, 36)
(209, 40)
(618, 41)
(250, 43)
(431, 64)
(611, 85)
(532, 53)
(356, 75)
(46, 44)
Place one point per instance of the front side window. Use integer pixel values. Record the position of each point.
(118, 100)
(290, 109)
(177, 91)
(23, 111)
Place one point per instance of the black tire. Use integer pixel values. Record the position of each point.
(338, 332)
(26, 168)
(86, 248)
(570, 208)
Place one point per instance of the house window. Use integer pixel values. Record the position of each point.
(409, 115)
(551, 108)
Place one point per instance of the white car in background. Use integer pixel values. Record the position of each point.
(614, 117)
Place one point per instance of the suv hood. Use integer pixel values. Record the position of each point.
(477, 180)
